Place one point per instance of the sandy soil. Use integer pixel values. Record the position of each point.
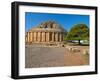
(54, 56)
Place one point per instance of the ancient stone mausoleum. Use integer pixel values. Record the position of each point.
(47, 32)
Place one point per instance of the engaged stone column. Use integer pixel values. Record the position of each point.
(60, 37)
(34, 36)
(53, 36)
(39, 36)
(28, 39)
(43, 36)
(56, 37)
(30, 36)
(48, 36)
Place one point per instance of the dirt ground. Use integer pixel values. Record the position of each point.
(55, 56)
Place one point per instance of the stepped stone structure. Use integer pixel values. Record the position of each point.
(49, 32)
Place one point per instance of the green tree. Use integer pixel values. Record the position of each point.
(78, 32)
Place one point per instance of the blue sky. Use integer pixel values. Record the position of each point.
(67, 21)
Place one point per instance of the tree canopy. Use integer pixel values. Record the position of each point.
(78, 32)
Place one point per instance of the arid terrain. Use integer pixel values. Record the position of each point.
(36, 57)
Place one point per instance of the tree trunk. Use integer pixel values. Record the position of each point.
(79, 42)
